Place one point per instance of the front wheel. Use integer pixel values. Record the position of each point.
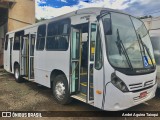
(17, 74)
(60, 90)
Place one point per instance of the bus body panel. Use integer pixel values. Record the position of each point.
(120, 100)
(104, 72)
(7, 53)
(131, 81)
(82, 18)
(32, 30)
(98, 86)
(15, 58)
(111, 93)
(116, 100)
(47, 61)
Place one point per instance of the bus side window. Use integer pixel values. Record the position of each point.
(16, 43)
(41, 37)
(98, 52)
(58, 35)
(17, 37)
(64, 35)
(6, 42)
(52, 38)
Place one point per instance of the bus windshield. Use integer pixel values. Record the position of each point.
(128, 45)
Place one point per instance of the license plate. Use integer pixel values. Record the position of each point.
(143, 94)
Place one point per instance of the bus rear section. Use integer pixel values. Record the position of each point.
(19, 54)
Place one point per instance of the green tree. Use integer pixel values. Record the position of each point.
(39, 20)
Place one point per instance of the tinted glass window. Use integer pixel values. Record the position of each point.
(6, 42)
(41, 37)
(17, 38)
(16, 43)
(57, 35)
(52, 29)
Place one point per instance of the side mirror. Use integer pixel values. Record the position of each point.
(107, 26)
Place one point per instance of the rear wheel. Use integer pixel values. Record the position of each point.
(17, 74)
(60, 90)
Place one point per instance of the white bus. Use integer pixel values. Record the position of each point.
(100, 56)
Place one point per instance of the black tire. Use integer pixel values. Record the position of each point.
(17, 75)
(59, 81)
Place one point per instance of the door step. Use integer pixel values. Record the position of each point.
(85, 95)
(83, 88)
(26, 78)
(80, 97)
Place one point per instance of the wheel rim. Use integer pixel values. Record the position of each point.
(60, 90)
(16, 73)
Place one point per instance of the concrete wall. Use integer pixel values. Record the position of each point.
(21, 14)
(152, 23)
(1, 36)
(2, 32)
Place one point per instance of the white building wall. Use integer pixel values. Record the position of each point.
(153, 25)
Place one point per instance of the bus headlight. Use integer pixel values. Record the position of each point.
(118, 83)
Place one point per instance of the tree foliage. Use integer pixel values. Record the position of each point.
(147, 16)
(40, 20)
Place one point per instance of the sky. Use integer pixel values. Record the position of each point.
(52, 8)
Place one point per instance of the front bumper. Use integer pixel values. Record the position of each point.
(117, 100)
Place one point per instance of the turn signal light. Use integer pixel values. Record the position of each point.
(98, 92)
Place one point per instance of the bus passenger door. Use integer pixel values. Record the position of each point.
(91, 51)
(27, 56)
(31, 56)
(75, 64)
(8, 60)
(24, 55)
(11, 44)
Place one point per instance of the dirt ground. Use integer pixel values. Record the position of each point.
(29, 96)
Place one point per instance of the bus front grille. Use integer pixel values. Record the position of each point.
(138, 86)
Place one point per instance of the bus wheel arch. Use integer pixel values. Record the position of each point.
(60, 87)
(17, 75)
(15, 64)
(55, 73)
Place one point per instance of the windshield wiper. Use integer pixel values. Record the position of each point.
(122, 49)
(147, 49)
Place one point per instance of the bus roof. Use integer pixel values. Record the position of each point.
(91, 10)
